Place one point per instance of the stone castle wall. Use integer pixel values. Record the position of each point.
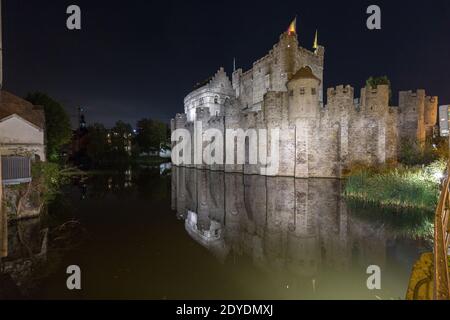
(417, 115)
(283, 91)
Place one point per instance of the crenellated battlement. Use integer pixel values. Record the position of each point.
(431, 99)
(380, 91)
(408, 98)
(375, 100)
(340, 92)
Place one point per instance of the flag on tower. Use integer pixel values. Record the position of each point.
(316, 41)
(293, 27)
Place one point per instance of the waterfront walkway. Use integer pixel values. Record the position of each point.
(430, 278)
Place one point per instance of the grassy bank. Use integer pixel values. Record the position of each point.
(398, 188)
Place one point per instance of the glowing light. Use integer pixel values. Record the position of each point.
(438, 176)
(293, 27)
(316, 41)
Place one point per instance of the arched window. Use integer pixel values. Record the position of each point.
(216, 99)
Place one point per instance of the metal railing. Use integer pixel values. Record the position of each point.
(15, 169)
(441, 244)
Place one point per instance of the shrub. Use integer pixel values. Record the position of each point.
(401, 188)
(48, 179)
(412, 153)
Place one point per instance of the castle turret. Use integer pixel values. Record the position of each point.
(210, 94)
(411, 117)
(375, 100)
(303, 91)
(288, 47)
(431, 109)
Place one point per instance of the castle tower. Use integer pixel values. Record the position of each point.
(412, 114)
(288, 47)
(431, 109)
(303, 91)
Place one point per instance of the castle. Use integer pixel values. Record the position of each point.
(318, 138)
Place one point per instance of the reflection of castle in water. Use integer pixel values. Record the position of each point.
(296, 225)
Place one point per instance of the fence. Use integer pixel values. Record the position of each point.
(15, 170)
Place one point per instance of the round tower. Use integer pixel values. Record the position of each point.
(303, 91)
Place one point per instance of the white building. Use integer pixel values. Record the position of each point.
(22, 127)
(22, 133)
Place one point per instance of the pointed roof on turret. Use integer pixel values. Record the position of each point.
(304, 73)
(316, 41)
(292, 29)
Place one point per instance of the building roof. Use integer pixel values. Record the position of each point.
(11, 104)
(304, 73)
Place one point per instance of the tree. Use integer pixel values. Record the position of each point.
(97, 146)
(57, 123)
(121, 136)
(151, 134)
(376, 81)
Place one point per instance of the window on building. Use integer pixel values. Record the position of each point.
(201, 101)
(302, 91)
(216, 99)
(291, 93)
(313, 91)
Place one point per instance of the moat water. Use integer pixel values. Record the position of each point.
(192, 234)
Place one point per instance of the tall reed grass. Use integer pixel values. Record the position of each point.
(399, 188)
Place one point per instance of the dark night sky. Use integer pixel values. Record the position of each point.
(137, 58)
